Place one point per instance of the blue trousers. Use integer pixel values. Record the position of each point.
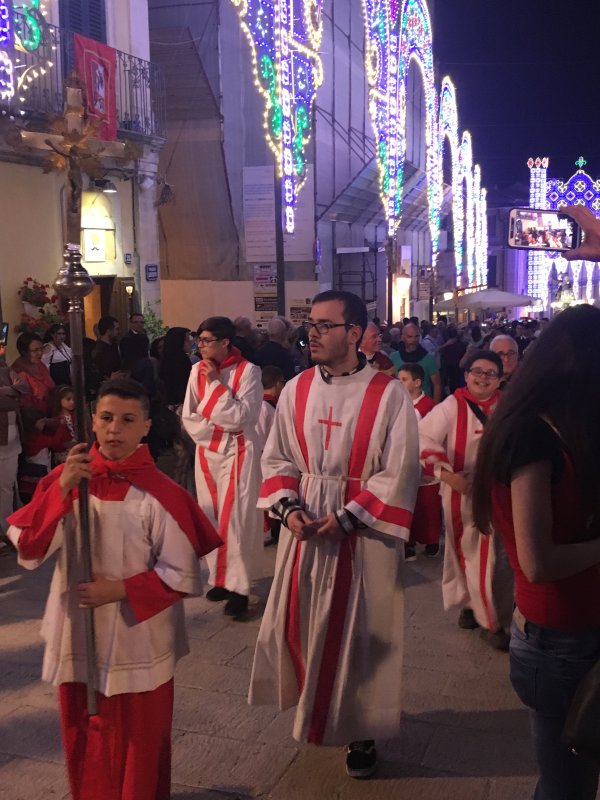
(546, 665)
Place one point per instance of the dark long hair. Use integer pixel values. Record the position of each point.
(175, 365)
(559, 378)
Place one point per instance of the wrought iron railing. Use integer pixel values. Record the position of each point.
(41, 65)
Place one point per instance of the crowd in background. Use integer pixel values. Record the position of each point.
(36, 400)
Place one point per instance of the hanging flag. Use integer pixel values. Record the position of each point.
(96, 64)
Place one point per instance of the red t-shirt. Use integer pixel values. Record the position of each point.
(571, 603)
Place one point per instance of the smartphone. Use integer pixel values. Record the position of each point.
(542, 229)
(3, 334)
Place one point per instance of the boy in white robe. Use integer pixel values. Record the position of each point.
(341, 469)
(147, 535)
(477, 577)
(220, 411)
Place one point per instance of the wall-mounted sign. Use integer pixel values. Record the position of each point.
(151, 272)
(128, 258)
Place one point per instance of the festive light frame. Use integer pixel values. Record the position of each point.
(7, 81)
(287, 71)
(582, 190)
(396, 37)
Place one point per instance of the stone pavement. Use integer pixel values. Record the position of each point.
(463, 734)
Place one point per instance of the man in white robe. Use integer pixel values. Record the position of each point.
(220, 413)
(477, 577)
(341, 469)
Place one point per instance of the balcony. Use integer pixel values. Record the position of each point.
(43, 61)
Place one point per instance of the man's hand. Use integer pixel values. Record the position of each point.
(77, 467)
(300, 525)
(459, 481)
(590, 225)
(210, 370)
(328, 525)
(100, 591)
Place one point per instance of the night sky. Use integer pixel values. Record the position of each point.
(527, 76)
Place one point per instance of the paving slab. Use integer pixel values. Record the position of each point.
(463, 734)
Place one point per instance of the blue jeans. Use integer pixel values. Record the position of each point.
(546, 665)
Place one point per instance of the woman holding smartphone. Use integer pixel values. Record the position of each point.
(537, 482)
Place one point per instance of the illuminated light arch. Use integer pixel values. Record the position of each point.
(466, 173)
(381, 66)
(7, 81)
(287, 71)
(481, 242)
(448, 129)
(416, 46)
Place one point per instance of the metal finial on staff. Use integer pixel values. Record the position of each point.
(74, 283)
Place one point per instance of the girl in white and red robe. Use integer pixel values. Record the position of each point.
(149, 533)
(476, 574)
(331, 638)
(220, 415)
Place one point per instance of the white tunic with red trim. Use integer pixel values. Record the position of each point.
(331, 638)
(138, 640)
(221, 418)
(476, 572)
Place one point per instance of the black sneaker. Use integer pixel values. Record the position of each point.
(432, 550)
(467, 620)
(236, 606)
(361, 759)
(410, 554)
(217, 593)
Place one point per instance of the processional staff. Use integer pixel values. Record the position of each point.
(74, 283)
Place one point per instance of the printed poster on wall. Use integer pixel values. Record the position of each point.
(259, 214)
(265, 293)
(96, 64)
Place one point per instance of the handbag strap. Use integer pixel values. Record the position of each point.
(478, 412)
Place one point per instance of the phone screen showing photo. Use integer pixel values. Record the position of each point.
(542, 230)
(3, 333)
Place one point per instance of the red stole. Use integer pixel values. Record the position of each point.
(487, 406)
(233, 358)
(138, 469)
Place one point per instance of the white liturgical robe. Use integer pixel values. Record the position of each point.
(221, 419)
(331, 637)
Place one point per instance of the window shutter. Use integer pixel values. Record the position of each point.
(87, 17)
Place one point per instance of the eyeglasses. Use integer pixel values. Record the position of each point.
(483, 373)
(203, 342)
(36, 349)
(325, 327)
(510, 355)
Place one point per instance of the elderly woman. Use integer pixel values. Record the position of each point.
(57, 355)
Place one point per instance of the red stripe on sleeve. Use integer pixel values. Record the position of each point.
(270, 485)
(380, 510)
(218, 392)
(148, 595)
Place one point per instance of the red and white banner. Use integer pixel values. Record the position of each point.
(96, 64)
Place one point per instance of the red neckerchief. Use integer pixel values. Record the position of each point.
(232, 359)
(487, 406)
(272, 401)
(139, 470)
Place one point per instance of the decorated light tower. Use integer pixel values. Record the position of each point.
(284, 39)
(537, 269)
(7, 86)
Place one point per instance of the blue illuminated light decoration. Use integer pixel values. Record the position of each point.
(580, 189)
(448, 130)
(7, 84)
(287, 71)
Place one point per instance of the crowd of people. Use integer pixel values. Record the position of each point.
(352, 444)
